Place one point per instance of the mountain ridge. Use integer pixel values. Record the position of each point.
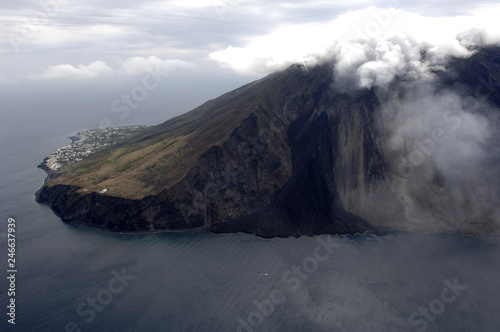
(287, 155)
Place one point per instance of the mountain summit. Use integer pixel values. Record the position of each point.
(302, 152)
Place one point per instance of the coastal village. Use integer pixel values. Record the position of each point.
(86, 143)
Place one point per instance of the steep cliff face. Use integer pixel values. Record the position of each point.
(292, 155)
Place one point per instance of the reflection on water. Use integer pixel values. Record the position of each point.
(100, 281)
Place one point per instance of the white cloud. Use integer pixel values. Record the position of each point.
(94, 70)
(125, 29)
(287, 45)
(370, 42)
(141, 65)
(97, 69)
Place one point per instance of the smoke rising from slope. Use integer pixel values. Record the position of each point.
(439, 135)
(433, 124)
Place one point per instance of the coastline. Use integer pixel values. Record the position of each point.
(96, 139)
(86, 143)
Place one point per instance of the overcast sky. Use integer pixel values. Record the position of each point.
(98, 37)
(62, 43)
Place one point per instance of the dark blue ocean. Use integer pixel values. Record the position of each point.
(80, 279)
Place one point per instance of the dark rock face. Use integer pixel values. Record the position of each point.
(306, 160)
